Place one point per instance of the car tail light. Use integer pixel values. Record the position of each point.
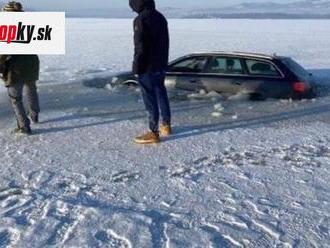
(299, 87)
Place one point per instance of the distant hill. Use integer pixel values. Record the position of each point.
(320, 7)
(302, 9)
(312, 9)
(299, 9)
(101, 13)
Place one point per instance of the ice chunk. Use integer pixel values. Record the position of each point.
(109, 87)
(201, 95)
(218, 107)
(216, 114)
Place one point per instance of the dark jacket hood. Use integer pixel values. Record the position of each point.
(139, 5)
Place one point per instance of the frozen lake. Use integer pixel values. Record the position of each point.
(256, 174)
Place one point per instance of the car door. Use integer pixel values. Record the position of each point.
(265, 79)
(187, 73)
(224, 74)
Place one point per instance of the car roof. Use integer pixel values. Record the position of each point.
(238, 54)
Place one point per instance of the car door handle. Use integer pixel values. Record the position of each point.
(193, 81)
(237, 82)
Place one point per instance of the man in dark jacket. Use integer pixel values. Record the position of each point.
(151, 40)
(19, 71)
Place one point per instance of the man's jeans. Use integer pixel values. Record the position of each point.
(15, 92)
(155, 97)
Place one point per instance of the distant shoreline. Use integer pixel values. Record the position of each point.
(248, 15)
(207, 18)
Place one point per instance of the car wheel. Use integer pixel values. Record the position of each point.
(130, 83)
(257, 97)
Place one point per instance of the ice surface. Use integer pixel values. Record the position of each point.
(255, 176)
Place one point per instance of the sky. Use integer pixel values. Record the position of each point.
(73, 4)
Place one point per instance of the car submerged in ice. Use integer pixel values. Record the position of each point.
(258, 75)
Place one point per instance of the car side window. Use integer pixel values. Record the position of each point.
(224, 65)
(262, 68)
(194, 65)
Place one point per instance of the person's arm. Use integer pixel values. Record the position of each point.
(139, 44)
(3, 60)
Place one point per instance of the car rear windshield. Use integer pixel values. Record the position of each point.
(297, 69)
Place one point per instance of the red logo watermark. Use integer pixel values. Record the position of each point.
(21, 33)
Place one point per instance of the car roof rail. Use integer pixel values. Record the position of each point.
(261, 55)
(237, 53)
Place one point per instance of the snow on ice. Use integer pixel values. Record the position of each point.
(255, 174)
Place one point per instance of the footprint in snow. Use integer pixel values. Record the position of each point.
(9, 192)
(38, 179)
(187, 173)
(124, 177)
(266, 202)
(9, 237)
(68, 218)
(111, 239)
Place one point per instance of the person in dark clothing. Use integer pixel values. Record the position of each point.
(151, 40)
(19, 71)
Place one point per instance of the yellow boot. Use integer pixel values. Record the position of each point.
(165, 130)
(148, 138)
